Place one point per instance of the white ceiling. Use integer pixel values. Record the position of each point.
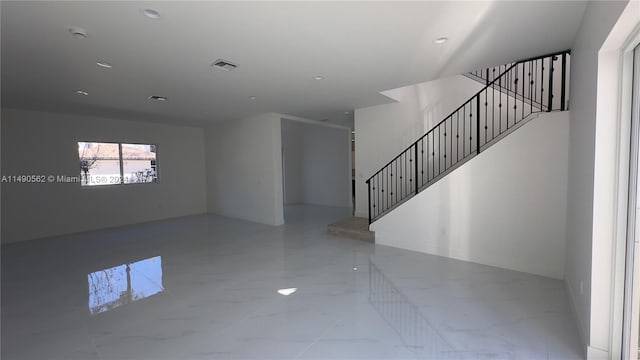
(360, 48)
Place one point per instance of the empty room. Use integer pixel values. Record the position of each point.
(319, 180)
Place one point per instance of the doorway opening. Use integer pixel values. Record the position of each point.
(316, 166)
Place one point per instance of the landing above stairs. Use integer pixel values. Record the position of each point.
(353, 228)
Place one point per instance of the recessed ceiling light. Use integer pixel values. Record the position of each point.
(157, 98)
(355, 269)
(440, 40)
(318, 77)
(346, 113)
(104, 64)
(252, 97)
(81, 92)
(287, 292)
(353, 131)
(78, 32)
(151, 14)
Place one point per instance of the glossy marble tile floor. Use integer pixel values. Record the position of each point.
(207, 287)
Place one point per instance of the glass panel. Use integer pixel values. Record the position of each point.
(139, 163)
(99, 163)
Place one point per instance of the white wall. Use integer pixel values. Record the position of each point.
(598, 20)
(505, 208)
(292, 162)
(383, 131)
(46, 143)
(317, 163)
(244, 169)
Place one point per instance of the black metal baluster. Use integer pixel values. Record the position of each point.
(458, 135)
(524, 103)
(385, 184)
(373, 196)
(445, 145)
(470, 127)
(408, 155)
(433, 155)
(421, 142)
(464, 132)
(439, 151)
(373, 188)
(415, 163)
(383, 206)
(486, 115)
(551, 59)
(387, 187)
(404, 182)
(425, 149)
(450, 121)
(399, 177)
(535, 83)
(407, 172)
(380, 198)
(426, 158)
(379, 205)
(531, 94)
(542, 86)
(507, 79)
(515, 97)
(494, 74)
(478, 124)
(408, 177)
(391, 187)
(404, 176)
(493, 113)
(378, 192)
(369, 197)
(396, 172)
(564, 81)
(500, 108)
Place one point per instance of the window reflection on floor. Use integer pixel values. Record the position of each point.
(124, 284)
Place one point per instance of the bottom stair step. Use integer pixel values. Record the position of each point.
(353, 228)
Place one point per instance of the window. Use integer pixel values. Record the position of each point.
(117, 163)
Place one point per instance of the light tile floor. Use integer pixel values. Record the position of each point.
(205, 287)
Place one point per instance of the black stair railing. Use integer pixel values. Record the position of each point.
(487, 75)
(507, 101)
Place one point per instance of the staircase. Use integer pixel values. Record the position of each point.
(514, 94)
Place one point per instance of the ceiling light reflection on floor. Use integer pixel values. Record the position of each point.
(287, 291)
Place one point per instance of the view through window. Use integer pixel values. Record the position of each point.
(117, 163)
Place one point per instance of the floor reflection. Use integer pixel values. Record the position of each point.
(418, 335)
(124, 284)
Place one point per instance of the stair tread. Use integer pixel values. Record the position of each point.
(352, 227)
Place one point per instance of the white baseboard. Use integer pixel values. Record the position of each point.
(597, 354)
(576, 319)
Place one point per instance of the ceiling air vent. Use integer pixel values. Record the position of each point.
(224, 65)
